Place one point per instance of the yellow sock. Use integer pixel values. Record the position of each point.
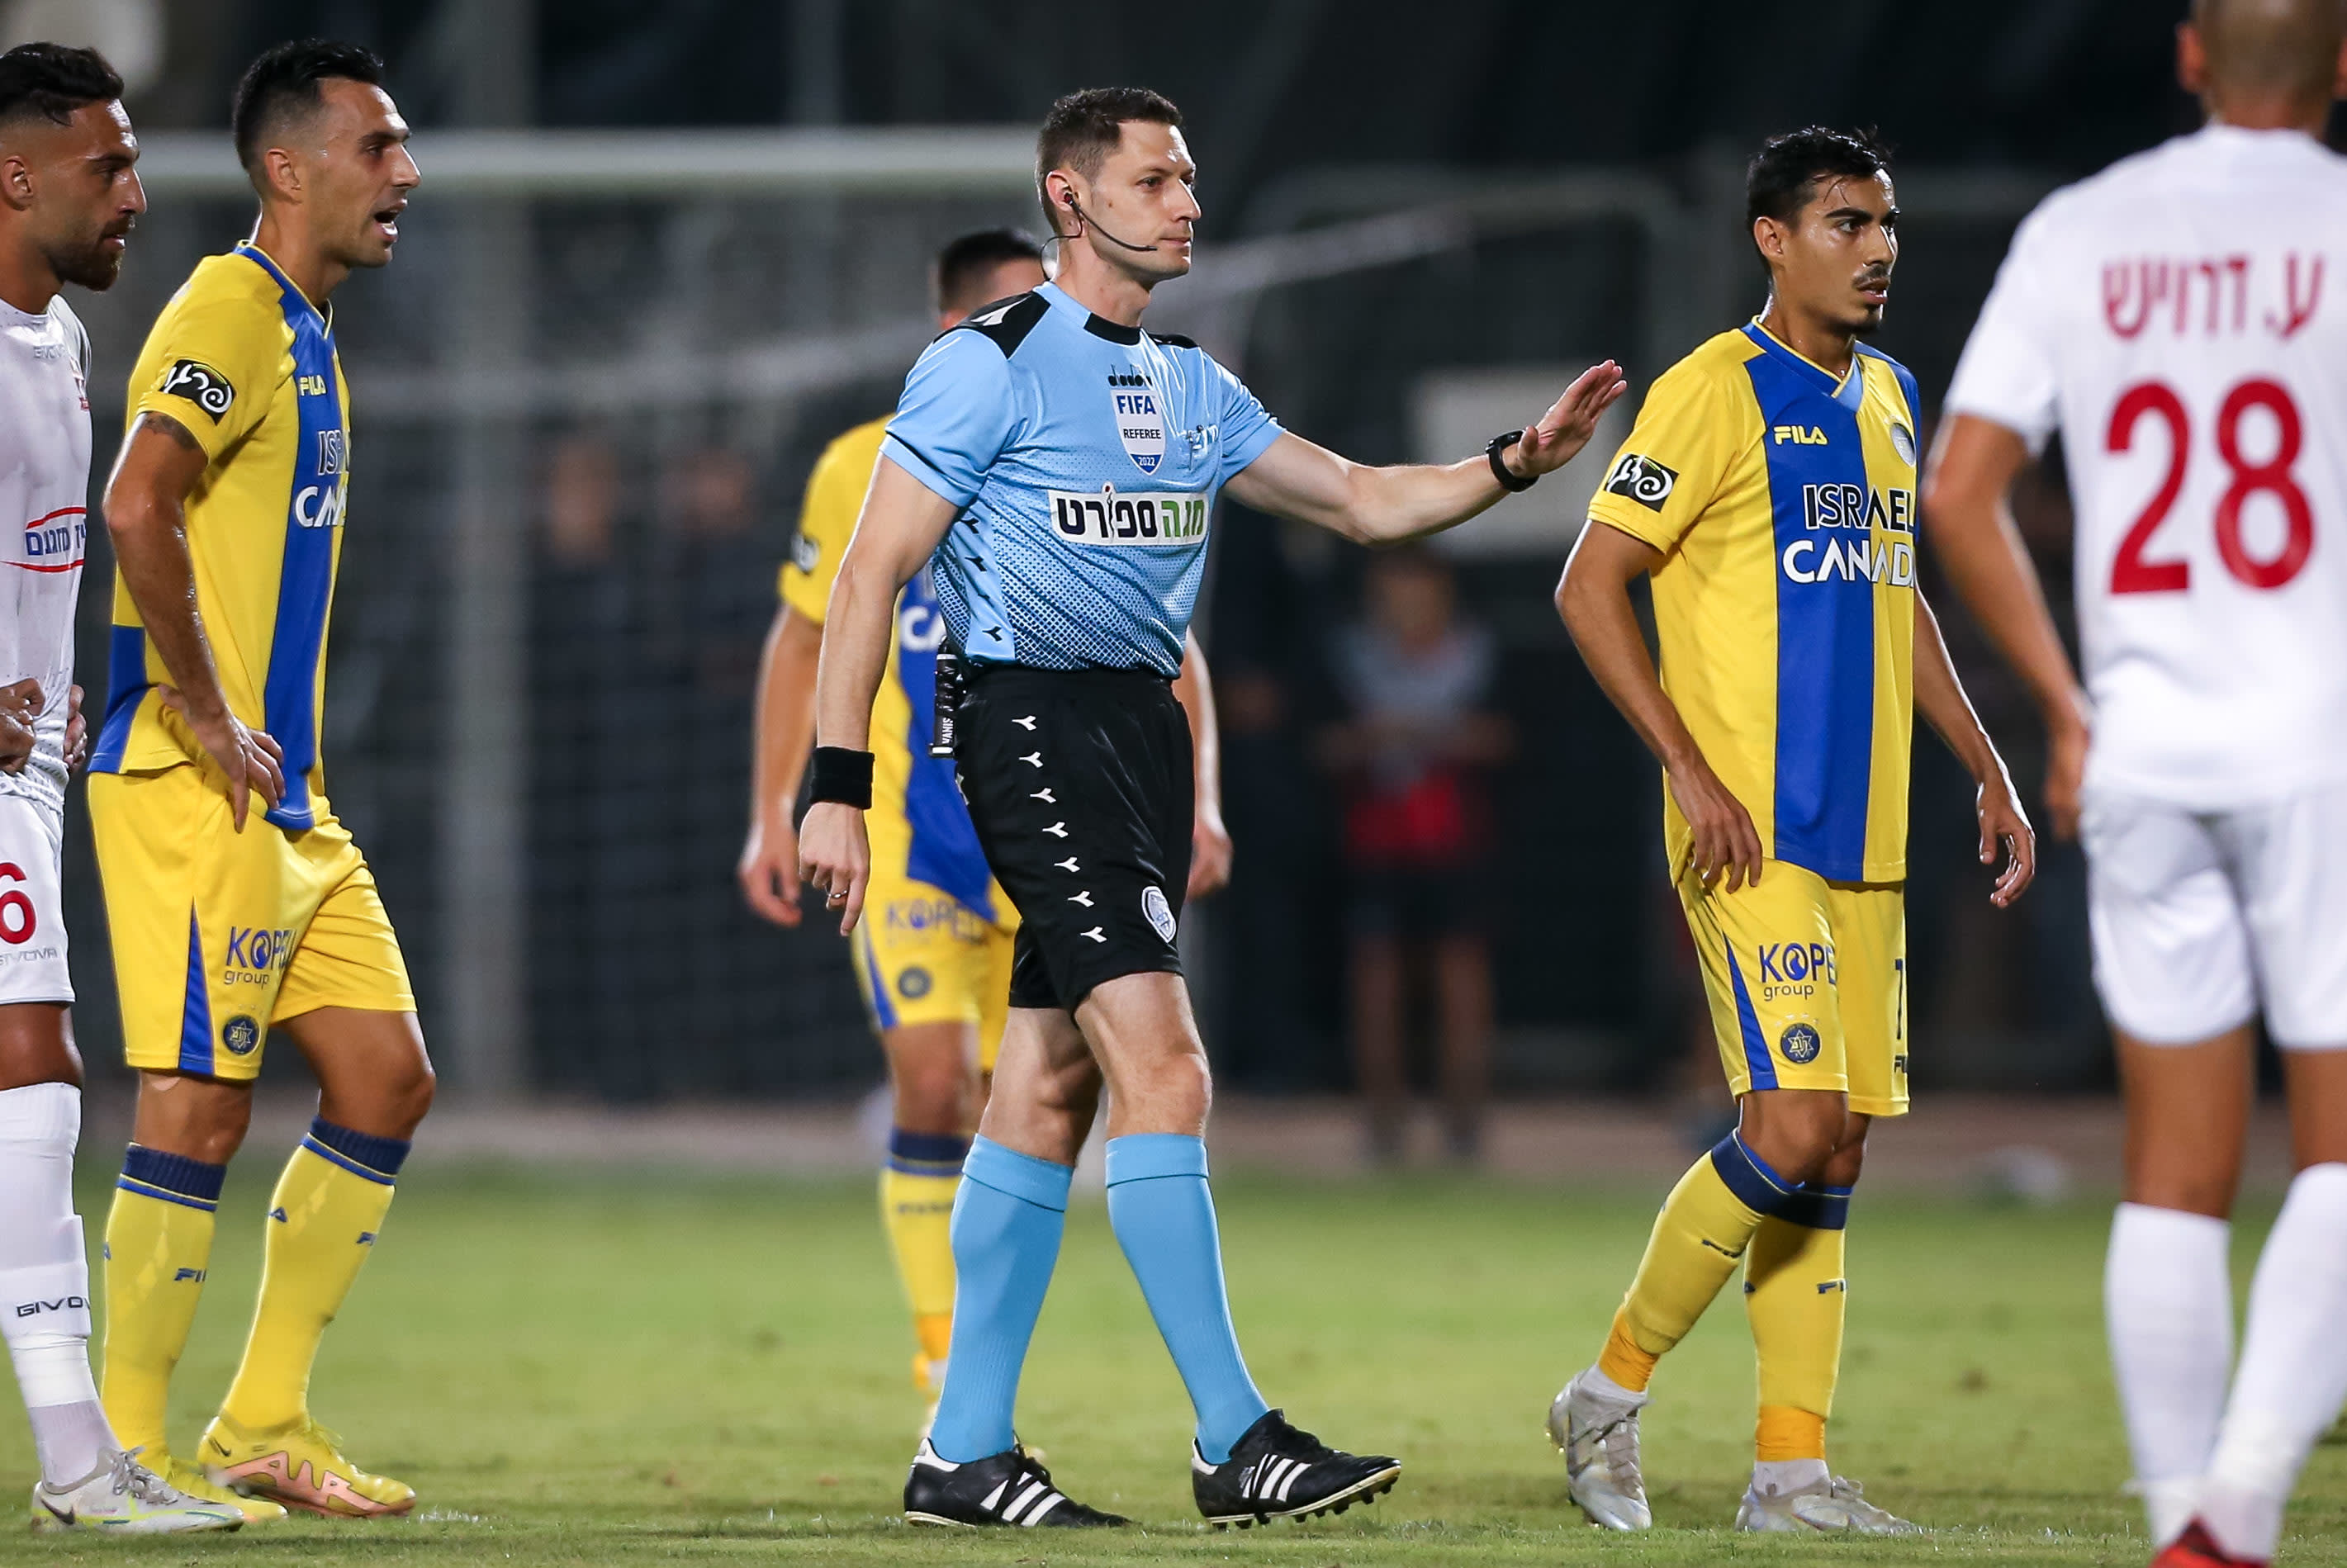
(322, 1221)
(1795, 1294)
(917, 1198)
(1699, 1238)
(159, 1245)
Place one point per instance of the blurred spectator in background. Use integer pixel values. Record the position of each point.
(1416, 680)
(713, 598)
(591, 851)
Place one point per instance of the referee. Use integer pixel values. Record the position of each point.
(1060, 465)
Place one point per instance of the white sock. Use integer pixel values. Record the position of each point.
(45, 1279)
(1595, 1384)
(2168, 1300)
(2293, 1371)
(1783, 1475)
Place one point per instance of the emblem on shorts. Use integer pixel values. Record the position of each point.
(1800, 1044)
(1160, 913)
(1903, 441)
(914, 984)
(241, 1035)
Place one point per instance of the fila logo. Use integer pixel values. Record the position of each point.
(310, 385)
(1799, 436)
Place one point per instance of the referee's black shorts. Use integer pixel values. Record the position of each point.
(1079, 784)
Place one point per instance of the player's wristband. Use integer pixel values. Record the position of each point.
(841, 777)
(1508, 481)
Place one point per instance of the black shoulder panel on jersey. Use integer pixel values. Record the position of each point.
(1174, 340)
(1006, 321)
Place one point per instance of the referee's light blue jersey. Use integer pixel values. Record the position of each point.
(1085, 458)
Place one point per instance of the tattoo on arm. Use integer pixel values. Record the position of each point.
(164, 425)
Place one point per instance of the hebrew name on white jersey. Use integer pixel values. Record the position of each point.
(2181, 319)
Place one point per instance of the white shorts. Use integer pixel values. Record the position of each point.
(2201, 917)
(32, 917)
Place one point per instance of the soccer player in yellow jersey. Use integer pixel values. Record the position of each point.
(933, 958)
(237, 901)
(1769, 490)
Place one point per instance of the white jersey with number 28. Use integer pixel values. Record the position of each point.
(2181, 319)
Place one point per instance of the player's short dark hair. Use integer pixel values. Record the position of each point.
(1085, 127)
(965, 264)
(1783, 175)
(284, 81)
(53, 80)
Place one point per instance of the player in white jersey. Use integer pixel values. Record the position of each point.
(68, 197)
(2181, 320)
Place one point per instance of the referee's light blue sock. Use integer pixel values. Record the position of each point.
(1163, 1216)
(1007, 1221)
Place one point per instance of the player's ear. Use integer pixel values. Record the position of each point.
(282, 173)
(15, 180)
(2192, 59)
(1769, 235)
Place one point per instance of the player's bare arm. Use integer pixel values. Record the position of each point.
(1210, 841)
(76, 732)
(1939, 698)
(769, 868)
(146, 516)
(1968, 516)
(1595, 600)
(1382, 506)
(898, 530)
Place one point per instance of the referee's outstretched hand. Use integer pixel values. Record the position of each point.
(836, 859)
(1561, 433)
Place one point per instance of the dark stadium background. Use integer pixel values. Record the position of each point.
(647, 979)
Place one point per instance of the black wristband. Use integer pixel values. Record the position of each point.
(841, 777)
(1508, 481)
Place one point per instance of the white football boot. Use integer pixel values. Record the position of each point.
(123, 1497)
(1830, 1504)
(1599, 1437)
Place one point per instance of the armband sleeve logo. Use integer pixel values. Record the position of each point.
(806, 553)
(201, 385)
(1642, 479)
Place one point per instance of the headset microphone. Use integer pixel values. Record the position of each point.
(1085, 218)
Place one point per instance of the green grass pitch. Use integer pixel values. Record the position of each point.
(707, 1370)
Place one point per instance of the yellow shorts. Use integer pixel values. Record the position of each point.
(922, 956)
(219, 934)
(1807, 983)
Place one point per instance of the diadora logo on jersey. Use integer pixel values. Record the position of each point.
(1140, 421)
(201, 385)
(1799, 435)
(319, 507)
(1106, 516)
(1642, 479)
(330, 453)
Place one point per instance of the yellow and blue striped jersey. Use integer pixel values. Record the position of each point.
(246, 364)
(1783, 500)
(919, 828)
